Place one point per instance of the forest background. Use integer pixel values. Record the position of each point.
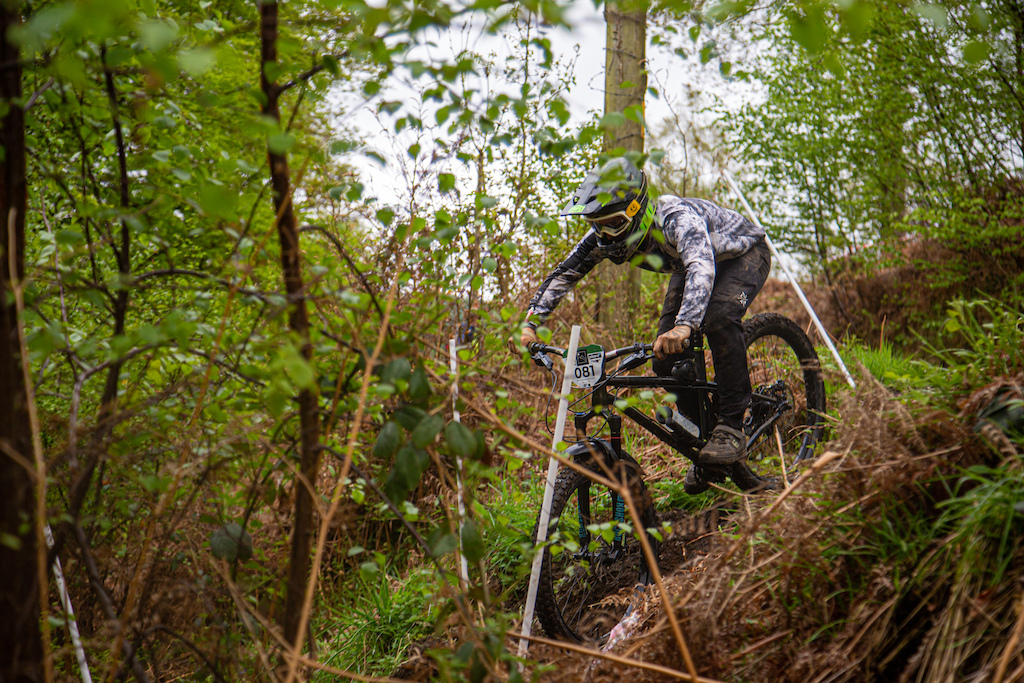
(223, 370)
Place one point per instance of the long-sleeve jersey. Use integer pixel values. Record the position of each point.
(697, 234)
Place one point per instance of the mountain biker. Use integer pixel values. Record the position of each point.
(718, 261)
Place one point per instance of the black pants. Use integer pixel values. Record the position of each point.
(737, 282)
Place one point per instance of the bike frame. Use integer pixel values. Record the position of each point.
(692, 390)
(695, 392)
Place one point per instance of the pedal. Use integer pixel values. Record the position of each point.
(715, 475)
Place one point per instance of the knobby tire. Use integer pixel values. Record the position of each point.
(581, 598)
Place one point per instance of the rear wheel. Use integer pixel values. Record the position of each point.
(592, 560)
(787, 406)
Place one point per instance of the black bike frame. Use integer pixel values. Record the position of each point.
(695, 393)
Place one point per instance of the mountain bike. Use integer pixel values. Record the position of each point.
(592, 556)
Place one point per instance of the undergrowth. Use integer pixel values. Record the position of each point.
(874, 570)
(899, 560)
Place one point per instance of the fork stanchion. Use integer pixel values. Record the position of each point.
(453, 364)
(549, 490)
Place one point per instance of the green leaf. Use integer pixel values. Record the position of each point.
(409, 466)
(472, 542)
(409, 417)
(388, 441)
(208, 25)
(218, 201)
(398, 369)
(427, 430)
(9, 540)
(443, 544)
(275, 400)
(460, 439)
(231, 542)
(934, 13)
(810, 29)
(271, 70)
(976, 51)
(419, 385)
(198, 61)
(612, 119)
(119, 55)
(154, 483)
(157, 35)
(69, 237)
(446, 182)
(485, 202)
(857, 18)
(280, 143)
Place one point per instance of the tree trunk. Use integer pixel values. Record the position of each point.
(21, 647)
(625, 82)
(309, 439)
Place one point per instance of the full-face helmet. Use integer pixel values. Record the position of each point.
(623, 218)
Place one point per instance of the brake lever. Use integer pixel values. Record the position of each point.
(542, 360)
(634, 360)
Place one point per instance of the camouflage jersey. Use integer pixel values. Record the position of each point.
(697, 234)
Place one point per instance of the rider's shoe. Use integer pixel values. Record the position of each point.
(726, 446)
(694, 483)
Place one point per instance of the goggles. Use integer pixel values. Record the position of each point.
(615, 224)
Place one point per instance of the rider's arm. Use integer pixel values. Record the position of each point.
(563, 278)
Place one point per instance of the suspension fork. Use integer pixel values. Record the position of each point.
(601, 402)
(618, 504)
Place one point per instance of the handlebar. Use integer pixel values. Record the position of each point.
(539, 350)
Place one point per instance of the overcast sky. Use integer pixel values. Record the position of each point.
(669, 74)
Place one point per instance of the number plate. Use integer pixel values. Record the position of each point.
(589, 366)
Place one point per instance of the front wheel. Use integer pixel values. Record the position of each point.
(787, 406)
(592, 560)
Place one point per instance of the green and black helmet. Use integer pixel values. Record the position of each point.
(622, 215)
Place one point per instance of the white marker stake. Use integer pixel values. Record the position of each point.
(453, 363)
(792, 280)
(69, 610)
(549, 490)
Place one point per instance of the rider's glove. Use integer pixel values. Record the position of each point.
(673, 341)
(528, 335)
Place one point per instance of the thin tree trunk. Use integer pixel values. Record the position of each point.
(291, 266)
(618, 287)
(122, 255)
(21, 647)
